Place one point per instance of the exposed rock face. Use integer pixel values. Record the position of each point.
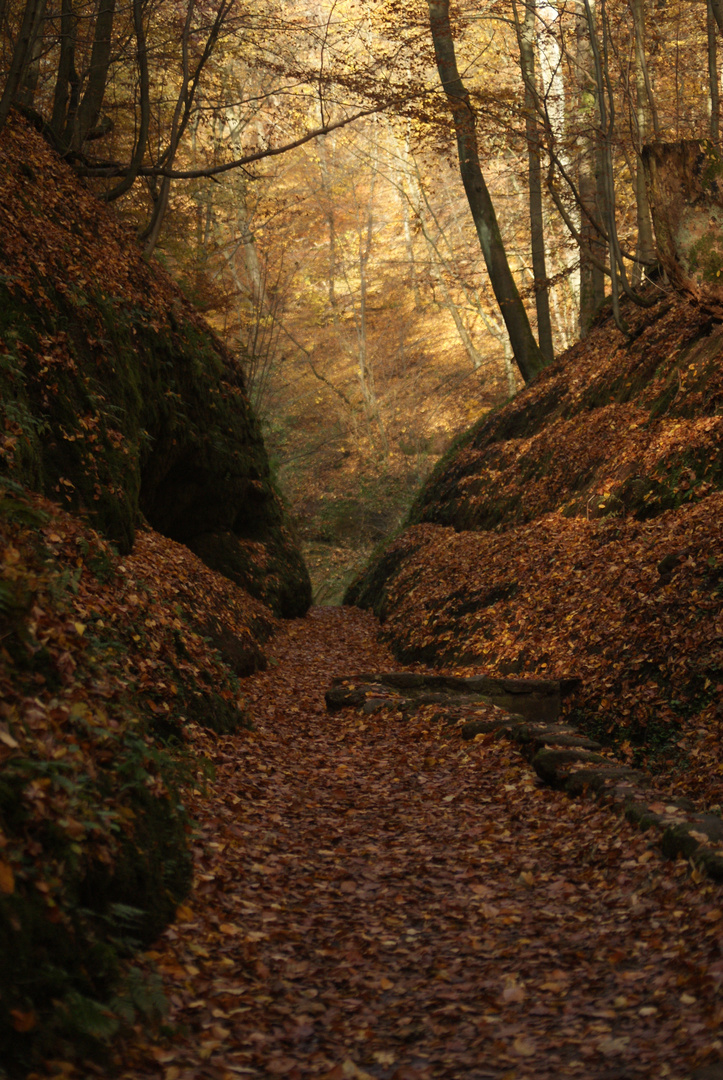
(686, 198)
(116, 397)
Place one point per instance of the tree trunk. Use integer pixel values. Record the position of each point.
(327, 190)
(716, 9)
(713, 85)
(144, 91)
(67, 76)
(31, 74)
(592, 279)
(29, 29)
(441, 264)
(476, 358)
(89, 109)
(537, 231)
(645, 252)
(364, 372)
(527, 354)
(182, 115)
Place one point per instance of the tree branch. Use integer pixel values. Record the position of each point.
(196, 174)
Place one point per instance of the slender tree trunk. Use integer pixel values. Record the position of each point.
(476, 358)
(247, 243)
(509, 368)
(327, 189)
(716, 9)
(592, 279)
(645, 252)
(89, 109)
(144, 93)
(364, 372)
(31, 75)
(29, 29)
(713, 78)
(527, 353)
(182, 116)
(409, 242)
(67, 76)
(441, 264)
(526, 34)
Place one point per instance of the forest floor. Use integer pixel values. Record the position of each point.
(381, 899)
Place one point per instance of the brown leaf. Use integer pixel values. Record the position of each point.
(7, 879)
(23, 1021)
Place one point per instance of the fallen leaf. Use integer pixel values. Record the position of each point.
(23, 1021)
(7, 879)
(523, 1046)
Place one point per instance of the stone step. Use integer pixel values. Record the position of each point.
(562, 757)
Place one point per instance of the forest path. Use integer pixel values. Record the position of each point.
(384, 900)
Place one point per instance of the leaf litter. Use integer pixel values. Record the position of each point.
(375, 898)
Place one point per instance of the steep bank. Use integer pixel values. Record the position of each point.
(118, 645)
(116, 398)
(577, 531)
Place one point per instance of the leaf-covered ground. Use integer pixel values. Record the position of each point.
(381, 899)
(577, 531)
(104, 663)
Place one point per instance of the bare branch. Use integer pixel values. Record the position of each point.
(215, 170)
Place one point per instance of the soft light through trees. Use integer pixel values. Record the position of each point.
(346, 266)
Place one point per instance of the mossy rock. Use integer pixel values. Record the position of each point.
(117, 399)
(67, 935)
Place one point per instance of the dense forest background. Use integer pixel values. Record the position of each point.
(293, 164)
(383, 224)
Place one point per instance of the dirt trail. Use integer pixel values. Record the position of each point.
(383, 900)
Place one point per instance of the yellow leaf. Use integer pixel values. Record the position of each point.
(184, 913)
(385, 983)
(524, 1047)
(79, 628)
(384, 1057)
(7, 879)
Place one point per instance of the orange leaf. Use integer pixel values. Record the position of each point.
(23, 1021)
(7, 879)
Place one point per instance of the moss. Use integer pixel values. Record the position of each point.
(369, 589)
(69, 938)
(705, 257)
(711, 166)
(125, 413)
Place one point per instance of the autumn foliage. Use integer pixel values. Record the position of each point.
(576, 531)
(108, 659)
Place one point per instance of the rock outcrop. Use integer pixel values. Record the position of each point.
(686, 200)
(115, 396)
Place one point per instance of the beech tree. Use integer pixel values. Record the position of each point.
(528, 355)
(526, 36)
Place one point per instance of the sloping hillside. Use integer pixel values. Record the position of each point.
(579, 531)
(115, 396)
(118, 645)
